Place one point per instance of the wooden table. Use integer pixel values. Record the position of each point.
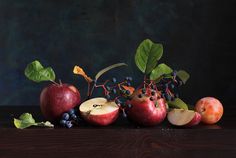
(121, 139)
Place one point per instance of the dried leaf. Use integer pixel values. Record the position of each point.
(79, 71)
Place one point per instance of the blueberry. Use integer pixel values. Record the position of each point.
(114, 91)
(65, 116)
(129, 105)
(127, 92)
(153, 93)
(128, 84)
(108, 88)
(69, 124)
(117, 101)
(114, 80)
(108, 96)
(143, 90)
(74, 117)
(71, 111)
(63, 122)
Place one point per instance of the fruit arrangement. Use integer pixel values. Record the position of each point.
(156, 98)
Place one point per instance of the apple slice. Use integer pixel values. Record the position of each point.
(99, 111)
(180, 117)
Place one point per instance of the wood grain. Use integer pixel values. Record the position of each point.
(115, 141)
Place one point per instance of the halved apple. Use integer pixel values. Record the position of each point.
(180, 117)
(99, 111)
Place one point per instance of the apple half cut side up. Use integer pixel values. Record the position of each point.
(180, 117)
(99, 111)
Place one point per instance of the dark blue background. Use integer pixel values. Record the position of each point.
(198, 36)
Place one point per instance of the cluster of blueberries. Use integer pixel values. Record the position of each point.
(68, 118)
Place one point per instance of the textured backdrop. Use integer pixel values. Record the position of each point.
(198, 36)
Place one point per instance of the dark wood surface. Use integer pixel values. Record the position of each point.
(122, 139)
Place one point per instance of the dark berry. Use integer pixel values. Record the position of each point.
(153, 93)
(114, 80)
(143, 90)
(71, 111)
(128, 84)
(117, 101)
(65, 116)
(114, 91)
(152, 86)
(151, 98)
(130, 78)
(108, 96)
(69, 124)
(74, 117)
(140, 95)
(129, 105)
(63, 122)
(108, 88)
(172, 86)
(127, 92)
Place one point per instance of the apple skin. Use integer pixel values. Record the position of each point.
(144, 112)
(101, 120)
(57, 99)
(195, 121)
(210, 109)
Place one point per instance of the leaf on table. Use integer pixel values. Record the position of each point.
(101, 72)
(147, 55)
(37, 73)
(26, 120)
(79, 71)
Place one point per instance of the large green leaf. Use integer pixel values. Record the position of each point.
(161, 69)
(37, 73)
(101, 72)
(147, 55)
(183, 75)
(178, 103)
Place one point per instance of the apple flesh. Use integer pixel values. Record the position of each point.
(99, 111)
(195, 121)
(180, 117)
(57, 99)
(210, 109)
(144, 111)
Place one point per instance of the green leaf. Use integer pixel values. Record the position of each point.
(27, 120)
(178, 103)
(101, 72)
(183, 75)
(147, 55)
(161, 69)
(37, 73)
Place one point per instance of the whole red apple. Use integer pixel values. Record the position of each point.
(57, 99)
(146, 109)
(210, 109)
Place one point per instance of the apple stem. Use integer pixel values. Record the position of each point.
(54, 82)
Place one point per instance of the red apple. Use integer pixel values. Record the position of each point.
(99, 111)
(210, 109)
(146, 111)
(57, 99)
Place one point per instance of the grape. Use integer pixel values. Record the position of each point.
(71, 111)
(114, 91)
(63, 122)
(65, 116)
(68, 124)
(114, 80)
(74, 117)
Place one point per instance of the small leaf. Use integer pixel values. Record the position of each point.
(161, 69)
(183, 75)
(21, 124)
(37, 73)
(79, 71)
(101, 72)
(26, 120)
(147, 55)
(178, 103)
